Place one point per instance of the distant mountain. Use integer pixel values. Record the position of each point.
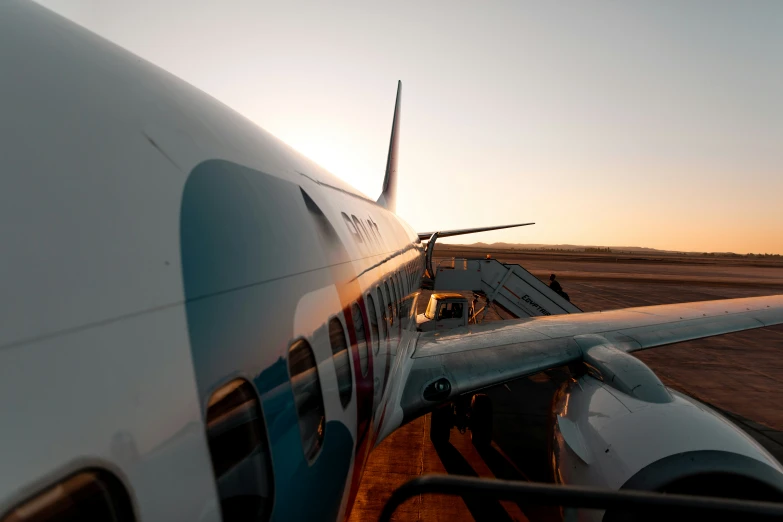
(590, 249)
(580, 248)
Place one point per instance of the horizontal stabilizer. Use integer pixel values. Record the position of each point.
(461, 231)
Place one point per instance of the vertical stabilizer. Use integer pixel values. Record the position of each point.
(388, 197)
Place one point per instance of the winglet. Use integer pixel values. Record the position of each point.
(388, 197)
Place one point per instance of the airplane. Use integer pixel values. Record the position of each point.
(199, 323)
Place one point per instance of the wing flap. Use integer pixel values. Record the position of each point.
(471, 370)
(679, 331)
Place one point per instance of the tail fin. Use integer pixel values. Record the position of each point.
(388, 197)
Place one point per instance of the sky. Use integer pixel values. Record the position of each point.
(655, 124)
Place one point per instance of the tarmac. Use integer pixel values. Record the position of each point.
(740, 374)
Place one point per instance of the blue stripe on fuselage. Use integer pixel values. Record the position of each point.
(236, 246)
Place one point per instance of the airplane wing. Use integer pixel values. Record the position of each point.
(461, 231)
(463, 360)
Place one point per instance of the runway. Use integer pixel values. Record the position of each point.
(740, 374)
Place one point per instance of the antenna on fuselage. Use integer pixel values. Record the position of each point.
(388, 197)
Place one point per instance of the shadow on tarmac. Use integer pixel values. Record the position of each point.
(481, 509)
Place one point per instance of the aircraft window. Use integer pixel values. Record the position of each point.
(404, 302)
(92, 494)
(308, 397)
(403, 286)
(361, 229)
(396, 281)
(391, 301)
(352, 228)
(238, 446)
(361, 337)
(373, 324)
(342, 364)
(400, 291)
(407, 306)
(382, 308)
(401, 283)
(450, 311)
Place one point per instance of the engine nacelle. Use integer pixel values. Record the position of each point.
(604, 437)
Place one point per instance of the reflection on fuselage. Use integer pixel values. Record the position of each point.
(307, 395)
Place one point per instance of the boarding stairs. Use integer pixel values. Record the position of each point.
(509, 286)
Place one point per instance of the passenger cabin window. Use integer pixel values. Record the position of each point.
(373, 324)
(92, 494)
(406, 306)
(239, 449)
(342, 364)
(361, 338)
(405, 302)
(392, 299)
(382, 307)
(398, 276)
(309, 400)
(400, 293)
(397, 294)
(352, 228)
(450, 311)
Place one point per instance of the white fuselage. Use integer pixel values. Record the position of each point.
(157, 245)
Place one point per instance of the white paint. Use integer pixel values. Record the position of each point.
(121, 396)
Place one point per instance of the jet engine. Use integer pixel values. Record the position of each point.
(617, 426)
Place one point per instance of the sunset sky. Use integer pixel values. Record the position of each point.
(656, 124)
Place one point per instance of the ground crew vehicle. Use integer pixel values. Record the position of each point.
(445, 310)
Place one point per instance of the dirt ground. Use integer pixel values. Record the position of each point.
(741, 374)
